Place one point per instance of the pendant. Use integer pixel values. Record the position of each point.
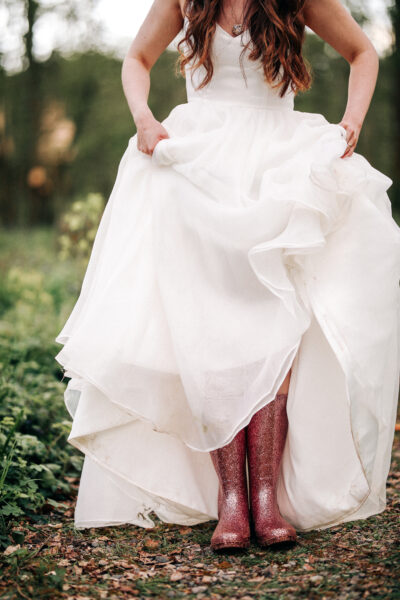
(237, 29)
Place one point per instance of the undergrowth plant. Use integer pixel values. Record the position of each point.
(38, 290)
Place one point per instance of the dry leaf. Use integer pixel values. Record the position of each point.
(185, 530)
(224, 565)
(150, 543)
(11, 549)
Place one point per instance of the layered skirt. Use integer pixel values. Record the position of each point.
(245, 246)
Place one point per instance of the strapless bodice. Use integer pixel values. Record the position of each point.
(232, 83)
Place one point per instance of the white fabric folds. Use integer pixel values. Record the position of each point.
(245, 245)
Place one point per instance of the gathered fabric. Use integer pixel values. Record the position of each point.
(245, 246)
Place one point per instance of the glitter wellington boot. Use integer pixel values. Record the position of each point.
(266, 435)
(233, 529)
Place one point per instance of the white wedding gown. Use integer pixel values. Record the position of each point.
(245, 245)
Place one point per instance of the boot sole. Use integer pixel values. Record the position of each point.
(276, 540)
(233, 545)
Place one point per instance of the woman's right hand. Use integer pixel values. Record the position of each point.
(149, 133)
(160, 27)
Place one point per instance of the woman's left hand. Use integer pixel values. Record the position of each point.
(353, 133)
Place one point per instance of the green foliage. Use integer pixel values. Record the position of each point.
(35, 457)
(19, 490)
(78, 227)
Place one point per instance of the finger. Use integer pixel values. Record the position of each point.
(164, 137)
(351, 142)
(158, 141)
(348, 152)
(349, 135)
(351, 145)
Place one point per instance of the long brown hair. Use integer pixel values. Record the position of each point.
(276, 30)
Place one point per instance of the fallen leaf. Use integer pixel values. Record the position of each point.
(224, 565)
(64, 562)
(150, 543)
(11, 549)
(176, 576)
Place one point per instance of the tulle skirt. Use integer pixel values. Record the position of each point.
(245, 246)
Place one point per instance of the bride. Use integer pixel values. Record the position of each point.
(234, 351)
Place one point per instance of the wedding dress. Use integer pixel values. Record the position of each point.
(244, 246)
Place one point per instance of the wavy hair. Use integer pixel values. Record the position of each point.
(276, 30)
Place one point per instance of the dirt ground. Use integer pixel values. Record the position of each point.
(53, 560)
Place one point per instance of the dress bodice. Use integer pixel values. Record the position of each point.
(228, 83)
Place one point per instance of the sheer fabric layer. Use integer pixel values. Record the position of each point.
(245, 245)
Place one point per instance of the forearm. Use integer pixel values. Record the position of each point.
(136, 85)
(363, 74)
(333, 23)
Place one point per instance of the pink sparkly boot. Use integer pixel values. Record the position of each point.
(233, 529)
(266, 435)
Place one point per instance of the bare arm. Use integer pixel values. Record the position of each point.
(162, 24)
(334, 24)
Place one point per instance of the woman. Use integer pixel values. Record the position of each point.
(245, 247)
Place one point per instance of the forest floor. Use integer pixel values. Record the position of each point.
(354, 560)
(44, 556)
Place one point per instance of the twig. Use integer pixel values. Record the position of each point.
(21, 592)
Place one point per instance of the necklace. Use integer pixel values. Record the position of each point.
(237, 28)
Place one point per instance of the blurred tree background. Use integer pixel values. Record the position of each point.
(64, 122)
